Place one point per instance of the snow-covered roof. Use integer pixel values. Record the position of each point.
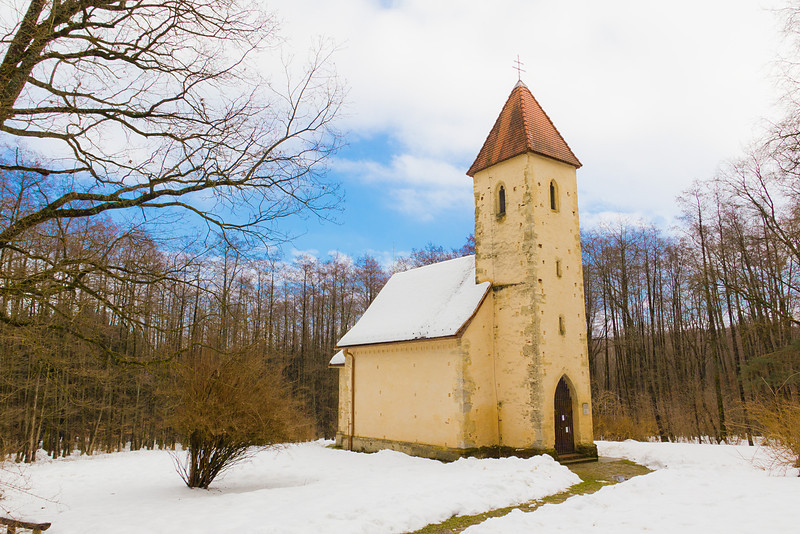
(427, 302)
(338, 358)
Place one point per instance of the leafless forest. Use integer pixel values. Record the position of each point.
(142, 246)
(689, 331)
(60, 392)
(693, 333)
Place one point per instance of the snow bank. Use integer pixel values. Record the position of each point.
(304, 488)
(699, 488)
(693, 455)
(427, 302)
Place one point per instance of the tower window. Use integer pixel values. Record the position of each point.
(501, 201)
(562, 328)
(553, 195)
(558, 268)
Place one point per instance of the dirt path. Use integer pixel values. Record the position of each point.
(594, 475)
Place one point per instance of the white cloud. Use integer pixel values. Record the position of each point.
(425, 205)
(419, 187)
(386, 258)
(611, 219)
(649, 95)
(405, 169)
(310, 254)
(342, 257)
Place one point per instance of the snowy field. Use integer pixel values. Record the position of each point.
(298, 489)
(696, 488)
(309, 488)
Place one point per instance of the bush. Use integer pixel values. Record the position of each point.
(226, 405)
(778, 422)
(612, 421)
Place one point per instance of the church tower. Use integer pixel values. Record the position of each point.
(527, 244)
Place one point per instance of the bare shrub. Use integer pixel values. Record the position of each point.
(611, 421)
(778, 422)
(13, 480)
(226, 405)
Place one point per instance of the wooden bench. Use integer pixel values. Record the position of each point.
(12, 525)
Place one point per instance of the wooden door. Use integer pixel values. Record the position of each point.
(565, 437)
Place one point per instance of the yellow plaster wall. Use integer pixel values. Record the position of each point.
(500, 250)
(558, 239)
(517, 253)
(407, 391)
(493, 385)
(477, 382)
(343, 425)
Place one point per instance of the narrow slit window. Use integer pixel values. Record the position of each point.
(562, 329)
(501, 201)
(558, 268)
(553, 196)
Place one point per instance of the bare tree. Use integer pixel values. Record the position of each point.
(432, 253)
(143, 105)
(147, 102)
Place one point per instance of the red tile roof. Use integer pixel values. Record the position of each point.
(522, 127)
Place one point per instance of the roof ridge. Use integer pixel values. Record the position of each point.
(526, 128)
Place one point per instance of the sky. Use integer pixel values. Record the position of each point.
(649, 95)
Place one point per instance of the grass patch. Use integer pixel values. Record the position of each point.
(594, 475)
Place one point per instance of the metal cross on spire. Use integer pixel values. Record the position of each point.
(519, 68)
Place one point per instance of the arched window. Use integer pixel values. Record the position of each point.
(553, 195)
(501, 201)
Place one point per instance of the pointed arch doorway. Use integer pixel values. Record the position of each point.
(565, 435)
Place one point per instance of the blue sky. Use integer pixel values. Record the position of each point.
(649, 95)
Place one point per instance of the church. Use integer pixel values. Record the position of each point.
(484, 355)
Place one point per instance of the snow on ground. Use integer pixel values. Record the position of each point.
(697, 488)
(304, 488)
(309, 488)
